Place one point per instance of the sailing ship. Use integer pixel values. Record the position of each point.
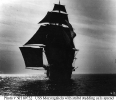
(54, 40)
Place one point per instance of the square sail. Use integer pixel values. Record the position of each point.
(32, 56)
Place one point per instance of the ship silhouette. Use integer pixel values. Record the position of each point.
(54, 39)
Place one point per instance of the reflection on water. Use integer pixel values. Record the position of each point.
(36, 85)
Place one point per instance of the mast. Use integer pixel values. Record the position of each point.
(59, 6)
(59, 13)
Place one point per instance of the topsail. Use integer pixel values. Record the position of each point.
(54, 17)
(58, 7)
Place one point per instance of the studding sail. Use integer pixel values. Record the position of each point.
(32, 56)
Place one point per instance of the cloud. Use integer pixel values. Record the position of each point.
(95, 19)
(105, 35)
(94, 9)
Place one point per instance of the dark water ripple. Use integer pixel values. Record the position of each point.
(81, 85)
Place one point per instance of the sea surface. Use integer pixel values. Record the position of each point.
(39, 85)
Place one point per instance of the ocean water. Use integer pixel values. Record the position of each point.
(38, 85)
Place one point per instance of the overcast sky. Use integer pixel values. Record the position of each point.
(94, 22)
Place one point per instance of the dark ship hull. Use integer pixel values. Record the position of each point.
(59, 73)
(60, 61)
(57, 45)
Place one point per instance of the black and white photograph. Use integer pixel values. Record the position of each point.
(57, 47)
